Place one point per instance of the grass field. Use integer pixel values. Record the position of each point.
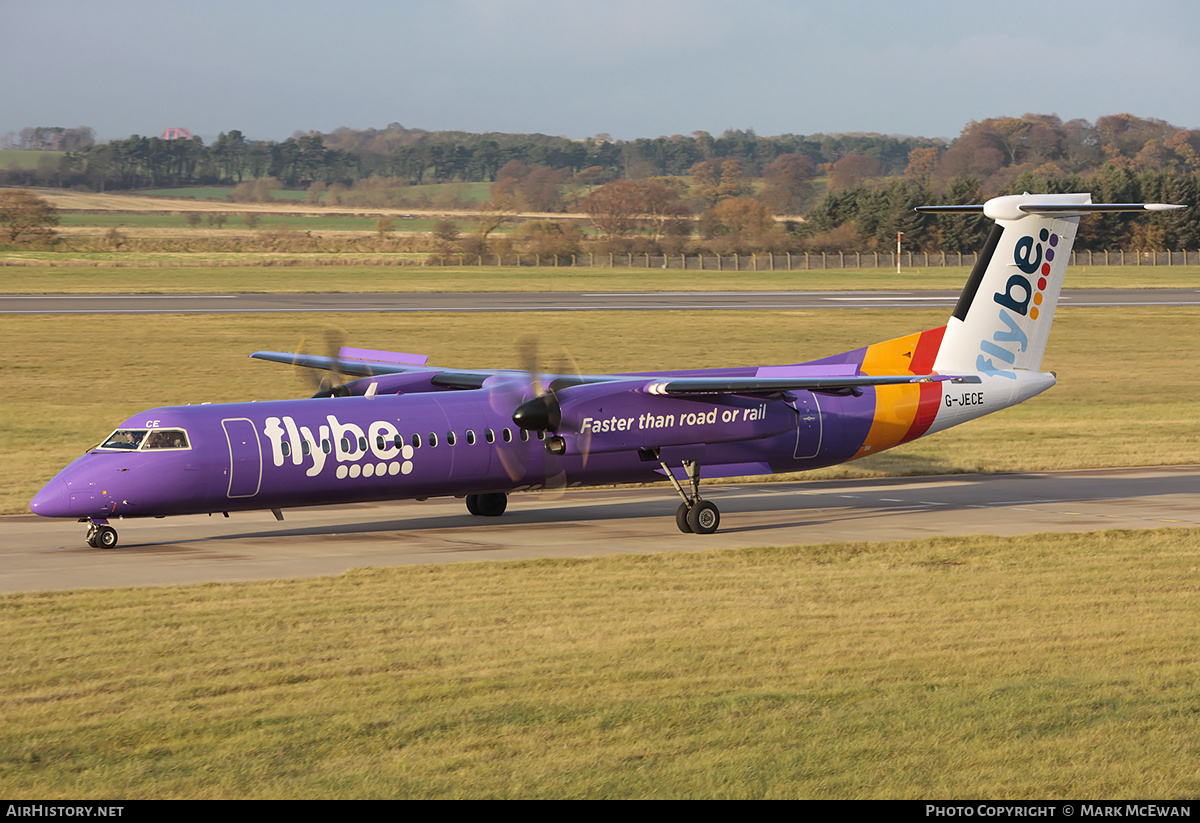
(88, 373)
(1047, 666)
(472, 192)
(214, 193)
(235, 223)
(93, 273)
(21, 159)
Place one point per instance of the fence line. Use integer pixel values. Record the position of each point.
(800, 261)
(764, 261)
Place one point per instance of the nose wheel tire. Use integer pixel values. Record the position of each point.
(102, 537)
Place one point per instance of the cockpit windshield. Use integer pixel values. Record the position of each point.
(128, 439)
(146, 439)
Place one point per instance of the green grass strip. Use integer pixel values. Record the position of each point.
(1045, 666)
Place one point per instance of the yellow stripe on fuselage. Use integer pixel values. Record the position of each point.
(895, 406)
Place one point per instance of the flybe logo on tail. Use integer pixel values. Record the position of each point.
(1028, 257)
(1022, 296)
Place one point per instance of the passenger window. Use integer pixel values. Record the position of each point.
(285, 447)
(524, 435)
(346, 446)
(489, 435)
(362, 444)
(470, 437)
(305, 447)
(432, 440)
(507, 435)
(326, 446)
(399, 441)
(450, 439)
(416, 441)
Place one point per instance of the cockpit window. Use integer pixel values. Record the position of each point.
(166, 439)
(146, 439)
(128, 439)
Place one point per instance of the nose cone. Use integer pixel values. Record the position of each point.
(52, 501)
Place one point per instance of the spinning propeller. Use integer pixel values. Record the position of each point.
(534, 404)
(332, 382)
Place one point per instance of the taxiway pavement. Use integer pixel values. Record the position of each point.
(37, 554)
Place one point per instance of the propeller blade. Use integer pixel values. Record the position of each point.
(584, 440)
(513, 466)
(527, 351)
(331, 382)
(529, 398)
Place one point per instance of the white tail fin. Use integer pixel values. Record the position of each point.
(1002, 319)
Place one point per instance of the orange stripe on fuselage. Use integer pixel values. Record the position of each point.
(902, 413)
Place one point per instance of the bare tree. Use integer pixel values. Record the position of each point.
(26, 218)
(613, 208)
(492, 215)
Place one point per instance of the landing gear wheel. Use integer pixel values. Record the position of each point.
(106, 537)
(681, 518)
(704, 518)
(473, 504)
(492, 505)
(91, 537)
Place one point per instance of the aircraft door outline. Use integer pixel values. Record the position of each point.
(245, 457)
(809, 421)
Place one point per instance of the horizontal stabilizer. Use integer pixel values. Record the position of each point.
(1008, 208)
(1099, 208)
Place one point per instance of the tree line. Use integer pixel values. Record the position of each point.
(652, 195)
(415, 156)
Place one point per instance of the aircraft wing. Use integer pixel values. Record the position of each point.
(314, 361)
(459, 379)
(772, 385)
(834, 380)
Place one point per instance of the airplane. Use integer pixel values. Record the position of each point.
(406, 430)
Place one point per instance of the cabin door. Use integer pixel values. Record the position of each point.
(809, 430)
(245, 457)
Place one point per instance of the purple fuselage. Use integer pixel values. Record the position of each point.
(283, 454)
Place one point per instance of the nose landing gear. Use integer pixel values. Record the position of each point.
(100, 535)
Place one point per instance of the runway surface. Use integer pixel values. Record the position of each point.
(545, 301)
(39, 554)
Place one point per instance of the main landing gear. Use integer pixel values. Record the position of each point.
(101, 535)
(487, 505)
(694, 516)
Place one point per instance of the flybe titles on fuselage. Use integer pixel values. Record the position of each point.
(1022, 298)
(377, 451)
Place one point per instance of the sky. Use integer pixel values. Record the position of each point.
(578, 68)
